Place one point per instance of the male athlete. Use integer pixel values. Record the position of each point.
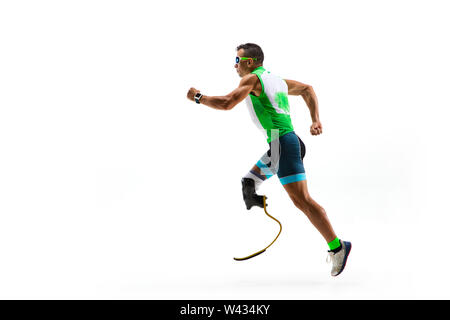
(267, 101)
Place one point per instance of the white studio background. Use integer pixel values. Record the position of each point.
(114, 186)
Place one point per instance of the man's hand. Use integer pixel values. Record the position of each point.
(191, 93)
(316, 128)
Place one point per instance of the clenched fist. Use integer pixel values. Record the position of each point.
(191, 93)
(316, 128)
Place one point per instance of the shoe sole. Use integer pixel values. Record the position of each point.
(348, 245)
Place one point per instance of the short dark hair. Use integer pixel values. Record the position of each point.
(252, 50)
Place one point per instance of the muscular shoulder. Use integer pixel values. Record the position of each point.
(252, 80)
(249, 79)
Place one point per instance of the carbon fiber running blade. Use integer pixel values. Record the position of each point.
(250, 256)
(261, 251)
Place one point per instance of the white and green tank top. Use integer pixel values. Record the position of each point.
(270, 110)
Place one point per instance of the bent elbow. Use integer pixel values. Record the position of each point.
(228, 104)
(307, 90)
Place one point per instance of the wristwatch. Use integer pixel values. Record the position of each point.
(197, 97)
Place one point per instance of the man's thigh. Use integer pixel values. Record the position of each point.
(265, 167)
(297, 191)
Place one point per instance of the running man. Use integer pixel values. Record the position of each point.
(267, 101)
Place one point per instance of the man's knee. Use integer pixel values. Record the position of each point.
(302, 201)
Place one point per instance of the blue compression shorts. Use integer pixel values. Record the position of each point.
(287, 163)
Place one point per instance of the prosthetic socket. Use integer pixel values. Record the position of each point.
(250, 197)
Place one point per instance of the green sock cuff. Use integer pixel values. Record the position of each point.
(334, 244)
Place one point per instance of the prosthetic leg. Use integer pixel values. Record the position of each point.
(251, 199)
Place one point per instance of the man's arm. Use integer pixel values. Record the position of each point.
(306, 91)
(229, 101)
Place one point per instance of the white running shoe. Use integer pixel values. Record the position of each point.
(339, 259)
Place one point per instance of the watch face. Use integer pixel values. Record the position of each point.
(197, 97)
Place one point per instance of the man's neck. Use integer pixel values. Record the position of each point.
(257, 68)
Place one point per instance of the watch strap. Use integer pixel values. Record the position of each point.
(197, 97)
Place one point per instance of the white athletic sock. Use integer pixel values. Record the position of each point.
(257, 179)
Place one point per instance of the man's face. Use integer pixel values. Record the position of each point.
(243, 67)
